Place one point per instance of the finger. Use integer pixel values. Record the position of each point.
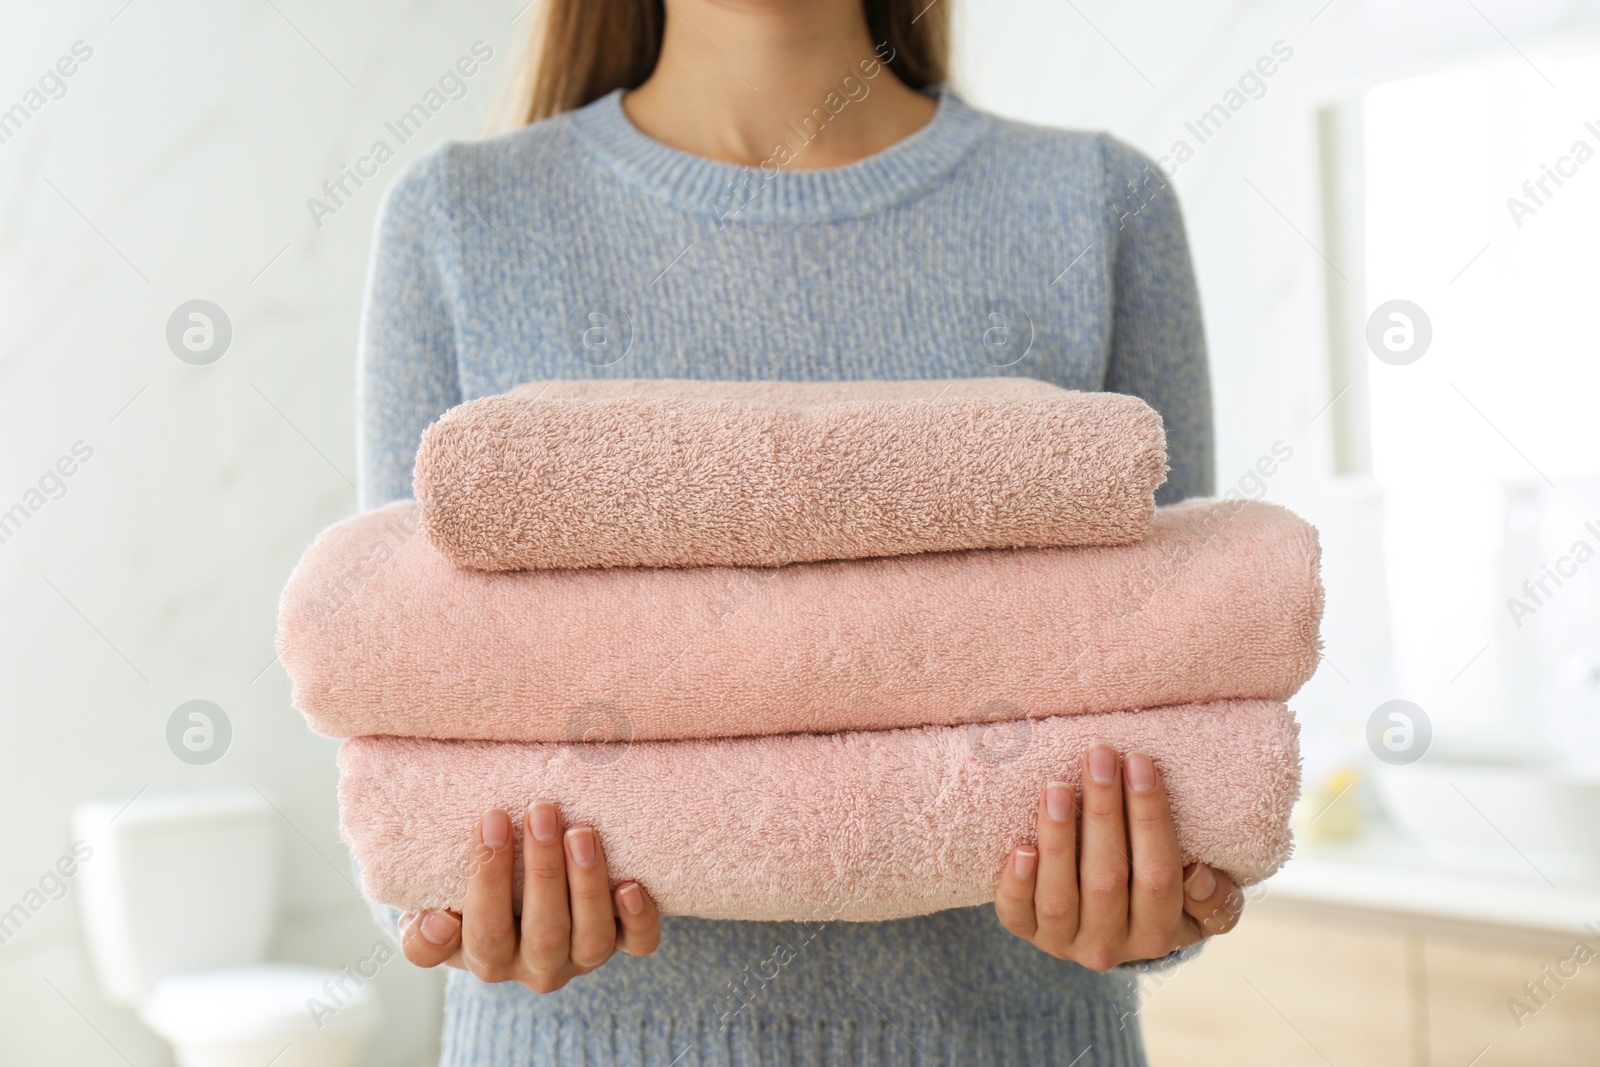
(1155, 894)
(1055, 897)
(594, 924)
(429, 938)
(488, 934)
(1102, 863)
(1212, 902)
(546, 918)
(1013, 897)
(641, 923)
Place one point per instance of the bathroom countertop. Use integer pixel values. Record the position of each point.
(1383, 872)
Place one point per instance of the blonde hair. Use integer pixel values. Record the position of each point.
(580, 50)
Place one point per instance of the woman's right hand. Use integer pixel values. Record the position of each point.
(571, 920)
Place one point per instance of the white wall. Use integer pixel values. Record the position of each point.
(190, 140)
(177, 165)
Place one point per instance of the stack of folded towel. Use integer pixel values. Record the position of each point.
(798, 651)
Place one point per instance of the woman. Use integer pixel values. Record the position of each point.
(784, 190)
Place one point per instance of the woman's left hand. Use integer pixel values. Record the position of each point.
(1122, 894)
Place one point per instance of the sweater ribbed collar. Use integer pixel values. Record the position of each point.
(775, 192)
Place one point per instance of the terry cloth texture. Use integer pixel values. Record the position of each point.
(489, 253)
(762, 474)
(383, 635)
(854, 826)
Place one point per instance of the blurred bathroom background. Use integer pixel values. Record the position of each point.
(1394, 231)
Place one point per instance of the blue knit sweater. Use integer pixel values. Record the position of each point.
(578, 247)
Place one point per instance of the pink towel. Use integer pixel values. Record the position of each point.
(856, 826)
(383, 635)
(686, 473)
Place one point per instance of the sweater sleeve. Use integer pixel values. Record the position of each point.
(407, 373)
(1158, 346)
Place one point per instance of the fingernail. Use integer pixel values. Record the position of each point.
(496, 829)
(1201, 884)
(439, 927)
(1102, 762)
(543, 823)
(1141, 772)
(580, 845)
(1024, 863)
(1058, 801)
(632, 898)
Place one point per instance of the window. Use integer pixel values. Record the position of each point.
(1466, 206)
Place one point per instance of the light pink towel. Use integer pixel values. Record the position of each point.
(688, 473)
(383, 635)
(855, 826)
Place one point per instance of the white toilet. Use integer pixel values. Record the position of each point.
(179, 898)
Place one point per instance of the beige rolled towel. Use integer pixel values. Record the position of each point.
(384, 635)
(665, 473)
(853, 826)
